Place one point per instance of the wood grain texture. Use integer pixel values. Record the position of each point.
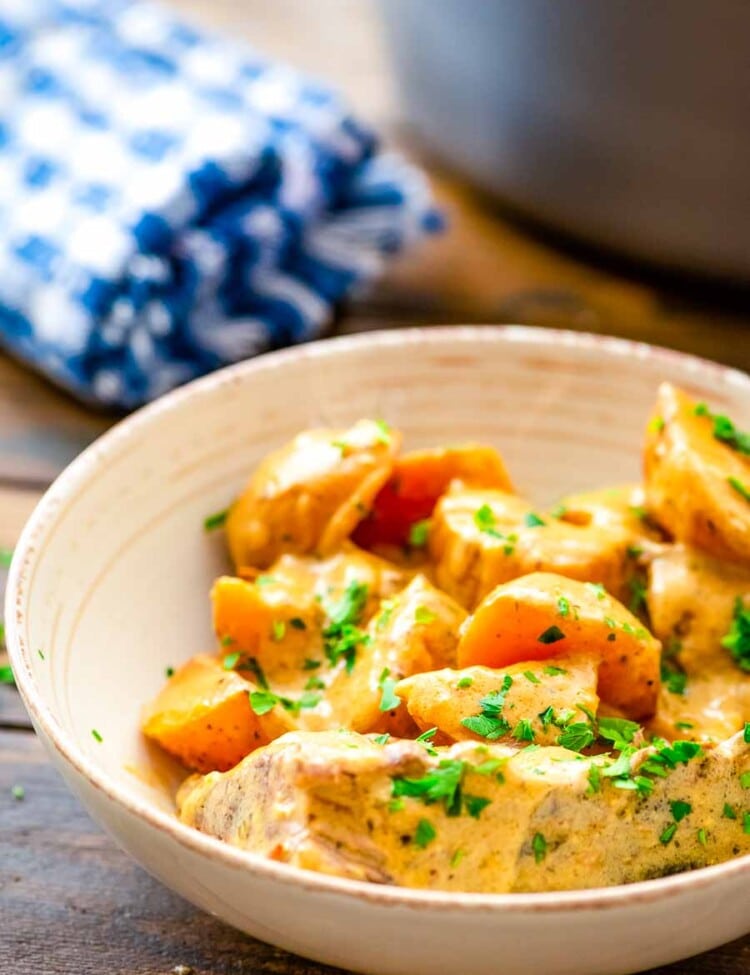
(71, 903)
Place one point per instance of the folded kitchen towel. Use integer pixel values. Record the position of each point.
(170, 201)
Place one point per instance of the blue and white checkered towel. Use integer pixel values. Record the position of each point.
(171, 202)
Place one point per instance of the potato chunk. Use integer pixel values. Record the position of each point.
(542, 615)
(480, 539)
(543, 695)
(308, 496)
(697, 485)
(203, 717)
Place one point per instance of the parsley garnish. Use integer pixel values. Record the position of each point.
(531, 677)
(484, 519)
(576, 736)
(619, 731)
(552, 634)
(342, 636)
(475, 804)
(457, 857)
(18, 792)
(389, 700)
(382, 739)
(563, 606)
(169, 672)
(311, 664)
(597, 588)
(314, 683)
(674, 680)
(746, 822)
(489, 723)
(539, 846)
(278, 630)
(680, 809)
(728, 812)
(547, 717)
(637, 595)
(746, 733)
(702, 837)
(297, 623)
(737, 640)
(230, 661)
(264, 701)
(745, 780)
(532, 520)
(559, 511)
(6, 557)
(666, 836)
(441, 784)
(217, 520)
(523, 730)
(384, 432)
(96, 736)
(725, 430)
(464, 682)
(425, 833)
(419, 533)
(595, 779)
(552, 671)
(742, 489)
(423, 615)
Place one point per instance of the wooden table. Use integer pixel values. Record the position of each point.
(70, 902)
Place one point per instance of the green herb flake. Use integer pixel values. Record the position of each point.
(441, 784)
(656, 424)
(563, 606)
(737, 640)
(489, 723)
(746, 733)
(169, 672)
(311, 664)
(457, 857)
(212, 522)
(680, 809)
(597, 588)
(595, 779)
(577, 736)
(464, 682)
(684, 725)
(18, 792)
(384, 432)
(532, 520)
(634, 551)
(425, 833)
(278, 630)
(637, 595)
(42, 657)
(395, 805)
(619, 731)
(423, 615)
(666, 836)
(737, 485)
(6, 675)
(552, 671)
(488, 767)
(297, 623)
(539, 847)
(484, 519)
(745, 780)
(553, 634)
(673, 679)
(702, 837)
(314, 683)
(230, 661)
(531, 677)
(746, 822)
(559, 511)
(419, 533)
(427, 735)
(342, 636)
(725, 431)
(389, 700)
(475, 804)
(96, 736)
(728, 812)
(523, 731)
(262, 702)
(265, 580)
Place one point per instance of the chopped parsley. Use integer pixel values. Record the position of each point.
(737, 640)
(553, 634)
(745, 780)
(311, 664)
(702, 837)
(423, 615)
(563, 606)
(6, 557)
(656, 424)
(96, 736)
(425, 833)
(386, 611)
(746, 733)
(634, 551)
(475, 804)
(552, 671)
(441, 784)
(595, 779)
(523, 731)
(169, 672)
(382, 739)
(278, 630)
(230, 661)
(257, 671)
(666, 836)
(216, 520)
(297, 623)
(737, 485)
(427, 735)
(18, 792)
(264, 701)
(384, 432)
(539, 847)
(680, 809)
(577, 736)
(419, 533)
(343, 636)
(484, 519)
(464, 682)
(637, 595)
(597, 588)
(725, 430)
(314, 683)
(389, 700)
(559, 511)
(746, 822)
(619, 731)
(531, 677)
(457, 857)
(547, 716)
(728, 812)
(674, 680)
(532, 520)
(265, 580)
(489, 723)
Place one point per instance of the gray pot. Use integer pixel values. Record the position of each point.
(626, 122)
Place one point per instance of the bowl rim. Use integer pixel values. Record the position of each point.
(84, 466)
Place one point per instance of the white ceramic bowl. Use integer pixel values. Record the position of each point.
(110, 581)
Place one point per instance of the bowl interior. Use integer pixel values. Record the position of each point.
(112, 578)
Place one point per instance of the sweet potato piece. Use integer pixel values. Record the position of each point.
(203, 717)
(697, 485)
(308, 496)
(418, 481)
(543, 615)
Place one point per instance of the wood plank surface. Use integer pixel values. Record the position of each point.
(71, 903)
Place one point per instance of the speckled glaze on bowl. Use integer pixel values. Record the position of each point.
(110, 582)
